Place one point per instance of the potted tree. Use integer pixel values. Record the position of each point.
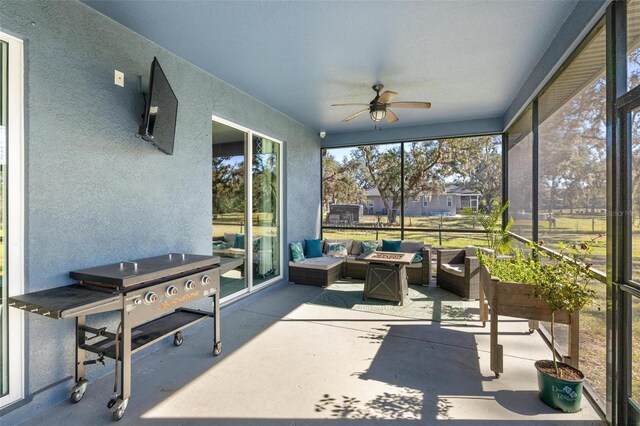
(563, 285)
(541, 288)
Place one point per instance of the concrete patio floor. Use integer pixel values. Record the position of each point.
(288, 362)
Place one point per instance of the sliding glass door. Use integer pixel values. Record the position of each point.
(246, 200)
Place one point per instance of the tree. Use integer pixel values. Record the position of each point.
(340, 183)
(427, 165)
(481, 170)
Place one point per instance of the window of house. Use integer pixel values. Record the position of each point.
(449, 201)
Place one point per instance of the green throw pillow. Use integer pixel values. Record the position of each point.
(219, 245)
(297, 254)
(337, 250)
(312, 248)
(391, 245)
(366, 246)
(417, 258)
(239, 241)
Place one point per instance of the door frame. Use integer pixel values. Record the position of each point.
(15, 213)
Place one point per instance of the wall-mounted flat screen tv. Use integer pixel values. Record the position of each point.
(161, 109)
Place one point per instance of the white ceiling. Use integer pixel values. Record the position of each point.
(469, 58)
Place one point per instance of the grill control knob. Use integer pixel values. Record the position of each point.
(150, 297)
(138, 301)
(206, 280)
(189, 285)
(172, 291)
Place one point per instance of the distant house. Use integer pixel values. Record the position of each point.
(452, 202)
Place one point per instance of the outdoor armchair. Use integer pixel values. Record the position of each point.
(458, 271)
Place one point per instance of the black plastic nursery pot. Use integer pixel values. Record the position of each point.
(563, 394)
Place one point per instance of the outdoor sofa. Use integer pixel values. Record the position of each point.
(324, 271)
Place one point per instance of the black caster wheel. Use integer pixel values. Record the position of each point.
(178, 339)
(111, 403)
(76, 397)
(217, 349)
(118, 414)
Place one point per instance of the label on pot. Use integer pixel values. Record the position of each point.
(566, 393)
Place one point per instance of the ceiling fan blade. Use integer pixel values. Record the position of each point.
(352, 116)
(387, 96)
(391, 117)
(350, 104)
(425, 105)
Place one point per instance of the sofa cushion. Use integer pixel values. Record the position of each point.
(219, 245)
(297, 253)
(347, 243)
(312, 248)
(336, 249)
(239, 241)
(322, 263)
(391, 245)
(230, 238)
(453, 269)
(411, 246)
(366, 246)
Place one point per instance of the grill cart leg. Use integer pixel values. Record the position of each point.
(118, 406)
(217, 346)
(81, 383)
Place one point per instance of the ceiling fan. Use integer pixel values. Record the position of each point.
(379, 107)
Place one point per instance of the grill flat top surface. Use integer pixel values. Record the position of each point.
(135, 272)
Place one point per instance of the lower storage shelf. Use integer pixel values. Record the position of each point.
(148, 333)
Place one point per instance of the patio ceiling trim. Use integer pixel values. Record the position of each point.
(427, 131)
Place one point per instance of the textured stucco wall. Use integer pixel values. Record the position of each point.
(96, 194)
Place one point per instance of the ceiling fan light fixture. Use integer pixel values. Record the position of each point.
(378, 114)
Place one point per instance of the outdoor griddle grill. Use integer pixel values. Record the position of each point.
(150, 295)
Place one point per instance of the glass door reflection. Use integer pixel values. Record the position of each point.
(229, 200)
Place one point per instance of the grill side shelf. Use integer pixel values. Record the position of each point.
(67, 302)
(148, 333)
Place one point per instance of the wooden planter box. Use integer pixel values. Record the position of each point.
(518, 300)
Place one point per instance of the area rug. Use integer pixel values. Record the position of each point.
(423, 303)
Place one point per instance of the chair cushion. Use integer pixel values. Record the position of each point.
(297, 254)
(471, 251)
(230, 238)
(322, 263)
(411, 246)
(312, 248)
(417, 258)
(336, 249)
(347, 243)
(453, 269)
(391, 245)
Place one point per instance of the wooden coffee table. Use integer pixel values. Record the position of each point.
(386, 275)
